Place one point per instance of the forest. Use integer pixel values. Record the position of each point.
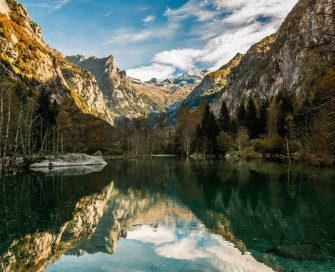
(289, 125)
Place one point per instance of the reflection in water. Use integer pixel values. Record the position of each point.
(175, 215)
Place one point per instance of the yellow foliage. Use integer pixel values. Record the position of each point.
(28, 48)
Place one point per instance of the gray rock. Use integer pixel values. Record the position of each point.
(69, 160)
(97, 154)
(76, 159)
(38, 165)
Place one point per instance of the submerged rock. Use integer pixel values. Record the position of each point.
(300, 252)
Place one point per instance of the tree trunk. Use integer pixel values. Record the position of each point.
(5, 140)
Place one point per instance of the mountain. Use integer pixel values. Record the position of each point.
(211, 84)
(120, 96)
(207, 89)
(188, 78)
(288, 59)
(126, 96)
(28, 67)
(291, 59)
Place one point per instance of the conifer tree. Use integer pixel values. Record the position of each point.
(241, 114)
(263, 118)
(209, 128)
(233, 126)
(286, 108)
(251, 119)
(224, 117)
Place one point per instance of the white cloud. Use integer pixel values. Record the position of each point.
(228, 27)
(156, 70)
(197, 244)
(217, 51)
(60, 4)
(221, 254)
(146, 234)
(149, 19)
(212, 32)
(108, 13)
(182, 58)
(50, 5)
(193, 8)
(126, 36)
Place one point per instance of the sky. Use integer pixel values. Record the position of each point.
(158, 38)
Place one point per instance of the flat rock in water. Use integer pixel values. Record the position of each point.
(37, 165)
(301, 252)
(76, 160)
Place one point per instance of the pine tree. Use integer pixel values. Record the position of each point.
(286, 108)
(209, 128)
(251, 118)
(263, 118)
(233, 126)
(224, 118)
(241, 114)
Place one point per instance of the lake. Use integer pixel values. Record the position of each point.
(169, 214)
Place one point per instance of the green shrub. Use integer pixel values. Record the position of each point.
(272, 145)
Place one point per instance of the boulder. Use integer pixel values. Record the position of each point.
(75, 159)
(43, 164)
(300, 252)
(69, 160)
(97, 154)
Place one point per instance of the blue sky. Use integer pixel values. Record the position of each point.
(157, 38)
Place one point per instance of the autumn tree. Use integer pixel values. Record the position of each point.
(242, 138)
(187, 123)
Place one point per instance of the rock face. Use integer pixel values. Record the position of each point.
(130, 97)
(24, 53)
(211, 85)
(285, 60)
(122, 97)
(209, 88)
(87, 89)
(4, 7)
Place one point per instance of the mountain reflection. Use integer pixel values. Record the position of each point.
(218, 216)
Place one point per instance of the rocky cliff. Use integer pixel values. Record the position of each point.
(211, 85)
(131, 97)
(25, 57)
(302, 46)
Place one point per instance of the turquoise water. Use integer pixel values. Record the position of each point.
(169, 214)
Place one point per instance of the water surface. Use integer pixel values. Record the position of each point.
(168, 214)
